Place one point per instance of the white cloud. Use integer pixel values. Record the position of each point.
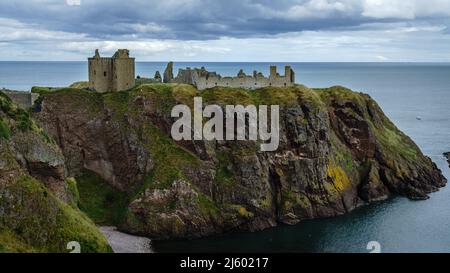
(389, 9)
(148, 49)
(73, 2)
(405, 9)
(141, 28)
(377, 9)
(309, 9)
(417, 28)
(381, 58)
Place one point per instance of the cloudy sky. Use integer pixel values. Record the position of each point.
(231, 30)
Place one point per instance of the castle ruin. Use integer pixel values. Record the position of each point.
(118, 73)
(112, 74)
(202, 79)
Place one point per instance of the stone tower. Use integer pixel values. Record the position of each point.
(273, 71)
(289, 74)
(111, 74)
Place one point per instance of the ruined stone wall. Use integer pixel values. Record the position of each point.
(248, 82)
(22, 99)
(203, 79)
(257, 80)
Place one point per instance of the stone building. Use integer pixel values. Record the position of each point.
(202, 79)
(112, 74)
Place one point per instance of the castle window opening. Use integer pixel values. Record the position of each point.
(104, 73)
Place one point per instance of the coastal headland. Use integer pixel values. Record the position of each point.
(337, 151)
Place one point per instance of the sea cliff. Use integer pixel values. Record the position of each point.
(38, 201)
(337, 151)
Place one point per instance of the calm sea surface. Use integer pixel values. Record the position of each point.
(404, 91)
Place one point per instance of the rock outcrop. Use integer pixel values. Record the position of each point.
(337, 151)
(157, 77)
(38, 202)
(168, 73)
(91, 139)
(447, 155)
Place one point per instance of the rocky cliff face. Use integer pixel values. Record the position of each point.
(38, 210)
(337, 151)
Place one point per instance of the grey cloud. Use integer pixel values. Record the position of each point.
(195, 19)
(245, 30)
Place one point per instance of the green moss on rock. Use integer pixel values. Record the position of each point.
(170, 159)
(11, 243)
(5, 133)
(73, 190)
(88, 101)
(100, 201)
(19, 116)
(36, 216)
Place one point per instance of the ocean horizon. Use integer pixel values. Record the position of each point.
(23, 75)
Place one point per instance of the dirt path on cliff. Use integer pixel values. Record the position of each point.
(126, 243)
